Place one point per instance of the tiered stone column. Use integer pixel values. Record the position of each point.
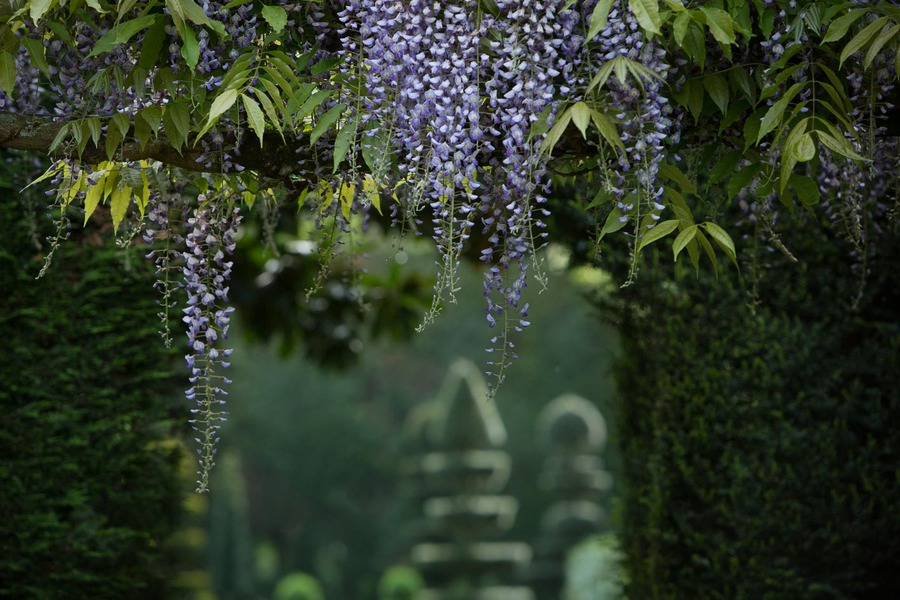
(459, 480)
(575, 433)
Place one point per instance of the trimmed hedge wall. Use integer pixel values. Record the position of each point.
(88, 491)
(761, 448)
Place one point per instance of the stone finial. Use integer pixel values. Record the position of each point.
(570, 422)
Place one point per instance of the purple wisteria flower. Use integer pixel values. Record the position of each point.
(209, 243)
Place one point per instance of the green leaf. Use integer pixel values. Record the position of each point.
(152, 45)
(95, 129)
(807, 189)
(675, 5)
(599, 80)
(324, 65)
(774, 115)
(607, 130)
(240, 69)
(61, 135)
(647, 14)
(556, 131)
(741, 180)
(189, 10)
(767, 23)
(326, 121)
(344, 141)
(680, 28)
(96, 6)
(694, 96)
(721, 237)
(600, 198)
(581, 116)
(839, 145)
(841, 25)
(707, 247)
(614, 222)
(255, 117)
(39, 8)
(221, 104)
(660, 230)
(121, 33)
(718, 90)
(886, 36)
(275, 16)
(598, 18)
(725, 167)
(111, 143)
(805, 148)
(695, 45)
(132, 178)
(190, 48)
(270, 109)
(789, 153)
(176, 120)
(312, 103)
(673, 173)
(862, 38)
(720, 25)
(36, 53)
(741, 79)
(683, 239)
(8, 73)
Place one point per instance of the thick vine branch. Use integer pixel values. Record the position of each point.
(275, 159)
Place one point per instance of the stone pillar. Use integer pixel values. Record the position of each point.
(459, 479)
(574, 432)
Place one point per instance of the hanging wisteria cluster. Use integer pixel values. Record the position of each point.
(453, 91)
(210, 242)
(645, 122)
(446, 115)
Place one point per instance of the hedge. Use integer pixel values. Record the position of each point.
(759, 431)
(88, 487)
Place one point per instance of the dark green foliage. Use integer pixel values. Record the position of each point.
(761, 449)
(88, 490)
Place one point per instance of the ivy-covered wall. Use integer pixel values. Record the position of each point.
(761, 447)
(88, 486)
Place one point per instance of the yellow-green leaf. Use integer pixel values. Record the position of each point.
(720, 25)
(118, 204)
(863, 37)
(599, 18)
(275, 16)
(254, 117)
(683, 239)
(581, 116)
(660, 230)
(92, 198)
(721, 237)
(647, 14)
(39, 8)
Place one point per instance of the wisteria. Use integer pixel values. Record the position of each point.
(431, 70)
(454, 119)
(645, 124)
(210, 242)
(167, 241)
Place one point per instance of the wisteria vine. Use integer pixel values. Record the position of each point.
(454, 118)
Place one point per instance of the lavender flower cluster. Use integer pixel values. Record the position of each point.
(209, 243)
(645, 119)
(455, 91)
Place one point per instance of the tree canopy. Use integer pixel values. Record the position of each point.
(452, 119)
